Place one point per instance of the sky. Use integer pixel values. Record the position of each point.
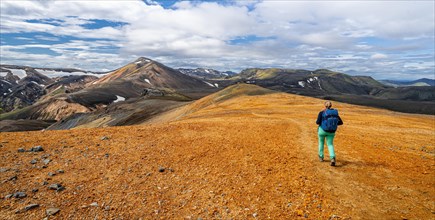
(382, 39)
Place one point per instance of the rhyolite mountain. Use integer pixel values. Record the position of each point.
(121, 94)
(145, 88)
(19, 92)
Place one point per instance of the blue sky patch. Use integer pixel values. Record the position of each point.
(99, 23)
(248, 39)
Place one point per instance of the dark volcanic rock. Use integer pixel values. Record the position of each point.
(36, 149)
(56, 186)
(31, 206)
(19, 195)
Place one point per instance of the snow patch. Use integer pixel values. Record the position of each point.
(119, 99)
(207, 71)
(53, 73)
(301, 83)
(209, 84)
(3, 73)
(37, 83)
(216, 85)
(148, 81)
(18, 72)
(7, 82)
(10, 90)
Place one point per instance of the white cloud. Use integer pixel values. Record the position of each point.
(378, 56)
(345, 35)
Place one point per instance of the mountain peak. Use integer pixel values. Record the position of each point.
(141, 60)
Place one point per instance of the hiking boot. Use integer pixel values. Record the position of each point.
(333, 162)
(320, 159)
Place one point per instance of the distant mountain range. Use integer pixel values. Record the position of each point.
(144, 88)
(418, 82)
(205, 73)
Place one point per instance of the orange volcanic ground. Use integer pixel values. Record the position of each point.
(228, 157)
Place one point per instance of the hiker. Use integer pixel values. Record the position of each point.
(328, 121)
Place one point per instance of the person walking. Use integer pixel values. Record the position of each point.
(328, 121)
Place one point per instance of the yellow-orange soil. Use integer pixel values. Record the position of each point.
(245, 157)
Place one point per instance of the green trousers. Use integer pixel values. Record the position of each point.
(329, 141)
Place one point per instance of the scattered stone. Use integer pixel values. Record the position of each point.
(44, 166)
(104, 138)
(44, 183)
(19, 195)
(60, 171)
(255, 215)
(57, 187)
(52, 211)
(2, 170)
(45, 156)
(35, 190)
(21, 150)
(9, 196)
(51, 174)
(31, 206)
(36, 149)
(306, 215)
(161, 169)
(289, 204)
(334, 217)
(94, 204)
(46, 161)
(170, 169)
(107, 208)
(148, 174)
(13, 178)
(33, 161)
(106, 155)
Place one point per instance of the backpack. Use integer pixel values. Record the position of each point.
(329, 120)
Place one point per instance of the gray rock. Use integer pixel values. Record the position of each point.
(9, 196)
(255, 215)
(35, 190)
(44, 183)
(31, 206)
(107, 208)
(104, 138)
(33, 161)
(19, 195)
(52, 211)
(45, 156)
(60, 171)
(161, 169)
(3, 169)
(36, 149)
(57, 187)
(51, 174)
(94, 204)
(13, 178)
(46, 161)
(21, 150)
